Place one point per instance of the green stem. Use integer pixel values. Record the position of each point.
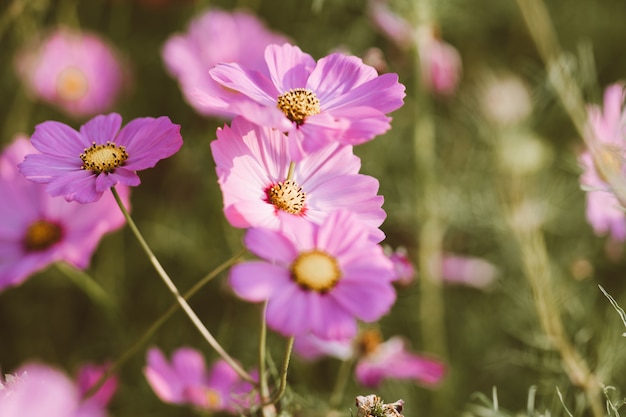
(185, 306)
(264, 391)
(283, 373)
(340, 383)
(89, 286)
(143, 339)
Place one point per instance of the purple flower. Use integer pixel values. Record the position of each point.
(396, 28)
(213, 37)
(43, 391)
(252, 165)
(187, 381)
(465, 270)
(391, 360)
(317, 278)
(337, 98)
(606, 133)
(88, 375)
(441, 65)
(37, 230)
(83, 165)
(75, 71)
(404, 269)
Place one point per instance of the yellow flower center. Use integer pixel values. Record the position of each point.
(315, 270)
(41, 235)
(103, 158)
(299, 103)
(287, 196)
(213, 399)
(369, 341)
(72, 84)
(608, 162)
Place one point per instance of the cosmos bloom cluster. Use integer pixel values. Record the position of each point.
(288, 173)
(607, 134)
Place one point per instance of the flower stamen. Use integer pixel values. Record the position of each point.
(315, 270)
(298, 104)
(103, 158)
(287, 196)
(72, 84)
(41, 235)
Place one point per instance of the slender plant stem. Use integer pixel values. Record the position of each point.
(341, 382)
(143, 339)
(185, 306)
(283, 373)
(292, 168)
(264, 391)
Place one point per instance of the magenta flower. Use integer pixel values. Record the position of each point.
(39, 390)
(213, 37)
(252, 165)
(83, 165)
(390, 24)
(88, 375)
(441, 64)
(336, 99)
(404, 269)
(606, 131)
(311, 347)
(75, 71)
(37, 230)
(317, 278)
(391, 360)
(187, 381)
(466, 270)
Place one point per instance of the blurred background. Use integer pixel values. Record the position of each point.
(463, 170)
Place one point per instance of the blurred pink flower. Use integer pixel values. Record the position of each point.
(465, 270)
(396, 28)
(88, 375)
(405, 271)
(37, 230)
(186, 380)
(83, 165)
(252, 165)
(76, 71)
(337, 99)
(606, 131)
(391, 360)
(39, 390)
(441, 65)
(213, 37)
(311, 347)
(316, 278)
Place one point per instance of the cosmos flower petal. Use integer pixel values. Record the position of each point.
(162, 377)
(251, 83)
(58, 139)
(270, 245)
(42, 168)
(288, 66)
(337, 74)
(288, 311)
(101, 129)
(257, 281)
(75, 186)
(351, 293)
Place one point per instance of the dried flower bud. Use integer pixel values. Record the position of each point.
(373, 406)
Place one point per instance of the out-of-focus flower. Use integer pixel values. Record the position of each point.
(440, 62)
(405, 271)
(186, 380)
(88, 375)
(373, 406)
(252, 166)
(37, 230)
(607, 134)
(43, 391)
(83, 165)
(374, 57)
(337, 99)
(523, 153)
(390, 24)
(474, 272)
(311, 347)
(505, 100)
(391, 360)
(316, 278)
(213, 37)
(78, 72)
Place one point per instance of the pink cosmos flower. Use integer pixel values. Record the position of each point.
(75, 71)
(311, 347)
(316, 278)
(37, 230)
(40, 390)
(391, 360)
(252, 165)
(187, 381)
(441, 64)
(405, 271)
(466, 270)
(213, 37)
(88, 375)
(606, 132)
(83, 165)
(337, 98)
(390, 24)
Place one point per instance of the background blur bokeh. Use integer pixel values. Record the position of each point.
(488, 338)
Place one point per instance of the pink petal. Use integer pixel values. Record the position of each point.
(252, 84)
(288, 66)
(383, 93)
(55, 138)
(257, 281)
(271, 246)
(101, 129)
